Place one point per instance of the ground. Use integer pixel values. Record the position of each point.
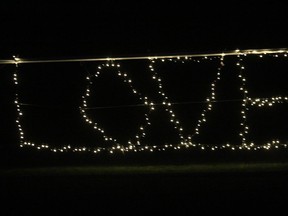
(202, 189)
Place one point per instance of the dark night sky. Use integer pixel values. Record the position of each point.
(50, 28)
(106, 28)
(47, 29)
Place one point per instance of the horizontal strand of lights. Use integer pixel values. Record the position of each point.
(155, 104)
(195, 55)
(253, 102)
(186, 138)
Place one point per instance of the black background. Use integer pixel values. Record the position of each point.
(112, 28)
(54, 29)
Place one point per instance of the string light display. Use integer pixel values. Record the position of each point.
(116, 145)
(187, 141)
(167, 104)
(209, 100)
(134, 144)
(245, 109)
(259, 102)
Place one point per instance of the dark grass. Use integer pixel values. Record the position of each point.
(190, 189)
(184, 183)
(215, 168)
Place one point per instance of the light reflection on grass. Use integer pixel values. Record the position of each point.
(157, 169)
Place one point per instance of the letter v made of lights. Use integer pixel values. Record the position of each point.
(134, 144)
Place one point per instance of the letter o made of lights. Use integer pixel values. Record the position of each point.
(115, 144)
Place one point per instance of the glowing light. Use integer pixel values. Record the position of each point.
(184, 141)
(96, 127)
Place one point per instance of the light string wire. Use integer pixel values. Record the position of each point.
(104, 59)
(185, 142)
(260, 102)
(155, 104)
